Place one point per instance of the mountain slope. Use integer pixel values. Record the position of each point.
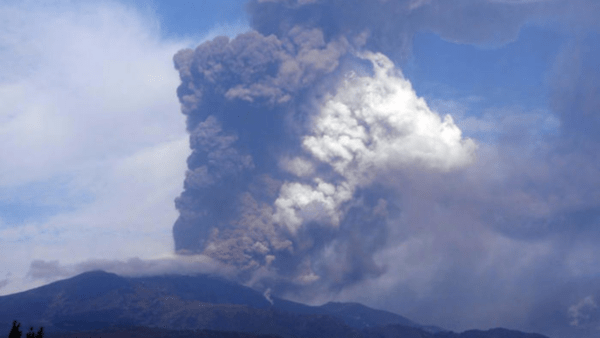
(146, 332)
(99, 300)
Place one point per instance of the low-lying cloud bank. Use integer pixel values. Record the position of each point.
(132, 267)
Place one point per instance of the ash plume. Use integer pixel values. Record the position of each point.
(294, 136)
(318, 173)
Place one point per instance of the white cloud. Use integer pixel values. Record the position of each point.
(90, 124)
(87, 82)
(372, 125)
(379, 123)
(298, 203)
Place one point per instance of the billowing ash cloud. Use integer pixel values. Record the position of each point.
(293, 138)
(316, 167)
(388, 26)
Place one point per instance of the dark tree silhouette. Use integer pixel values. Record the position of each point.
(15, 332)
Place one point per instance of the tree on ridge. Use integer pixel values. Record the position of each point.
(16, 333)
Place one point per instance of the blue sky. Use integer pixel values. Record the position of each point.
(483, 78)
(514, 73)
(93, 151)
(181, 18)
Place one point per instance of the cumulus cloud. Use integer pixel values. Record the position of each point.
(378, 122)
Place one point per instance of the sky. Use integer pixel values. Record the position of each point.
(438, 159)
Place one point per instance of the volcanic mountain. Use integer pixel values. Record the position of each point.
(103, 304)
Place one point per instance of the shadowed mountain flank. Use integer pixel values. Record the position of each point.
(99, 303)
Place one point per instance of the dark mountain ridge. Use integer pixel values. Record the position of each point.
(99, 300)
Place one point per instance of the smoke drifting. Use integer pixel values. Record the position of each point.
(316, 170)
(388, 26)
(294, 137)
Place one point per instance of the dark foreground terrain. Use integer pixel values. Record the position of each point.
(386, 332)
(100, 304)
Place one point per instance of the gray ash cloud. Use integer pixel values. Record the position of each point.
(283, 182)
(315, 166)
(242, 102)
